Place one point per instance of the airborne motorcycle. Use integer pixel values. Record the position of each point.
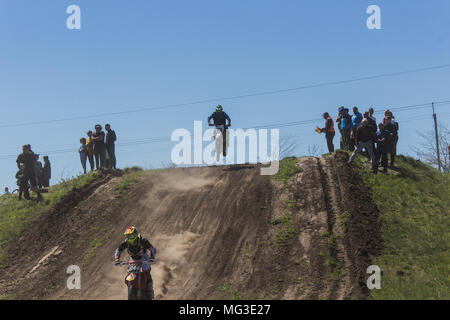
(221, 140)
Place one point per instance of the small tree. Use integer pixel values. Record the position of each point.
(427, 150)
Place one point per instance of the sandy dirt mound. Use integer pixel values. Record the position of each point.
(220, 232)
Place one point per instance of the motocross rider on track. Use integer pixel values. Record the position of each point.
(137, 247)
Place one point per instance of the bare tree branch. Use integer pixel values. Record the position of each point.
(288, 146)
(426, 150)
(314, 150)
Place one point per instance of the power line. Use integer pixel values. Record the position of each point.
(263, 93)
(277, 125)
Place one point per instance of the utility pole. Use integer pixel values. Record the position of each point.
(437, 138)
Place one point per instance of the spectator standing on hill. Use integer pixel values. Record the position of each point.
(22, 182)
(98, 137)
(364, 138)
(38, 171)
(371, 116)
(329, 131)
(7, 191)
(83, 154)
(346, 127)
(46, 172)
(90, 149)
(28, 159)
(392, 126)
(338, 124)
(373, 126)
(383, 141)
(356, 121)
(110, 145)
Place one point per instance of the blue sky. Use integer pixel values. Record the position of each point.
(131, 55)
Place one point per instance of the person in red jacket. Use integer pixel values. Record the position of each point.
(329, 131)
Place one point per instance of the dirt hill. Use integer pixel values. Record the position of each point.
(220, 232)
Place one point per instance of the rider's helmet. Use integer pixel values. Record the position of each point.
(132, 235)
(219, 108)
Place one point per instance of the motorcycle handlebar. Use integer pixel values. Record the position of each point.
(121, 263)
(213, 125)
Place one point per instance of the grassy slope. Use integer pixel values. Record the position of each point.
(414, 212)
(15, 215)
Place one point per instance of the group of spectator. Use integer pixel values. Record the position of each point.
(360, 131)
(32, 174)
(98, 148)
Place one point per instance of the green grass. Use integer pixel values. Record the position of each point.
(287, 230)
(288, 168)
(343, 219)
(231, 294)
(414, 213)
(132, 176)
(94, 244)
(15, 215)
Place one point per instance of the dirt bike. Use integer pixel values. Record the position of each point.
(136, 279)
(221, 134)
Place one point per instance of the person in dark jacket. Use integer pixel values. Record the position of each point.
(392, 126)
(38, 168)
(346, 128)
(338, 124)
(46, 172)
(110, 145)
(356, 121)
(139, 249)
(22, 182)
(28, 159)
(363, 139)
(220, 117)
(329, 131)
(383, 144)
(98, 137)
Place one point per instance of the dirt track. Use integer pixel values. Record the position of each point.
(211, 226)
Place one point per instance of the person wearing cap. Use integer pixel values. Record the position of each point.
(363, 139)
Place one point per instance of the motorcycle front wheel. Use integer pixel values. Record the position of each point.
(132, 293)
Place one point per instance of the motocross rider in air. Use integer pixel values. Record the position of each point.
(137, 247)
(220, 119)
